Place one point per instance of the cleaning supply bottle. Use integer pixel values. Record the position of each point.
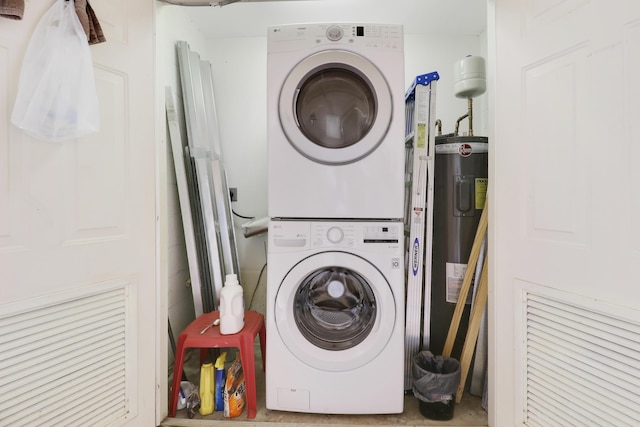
(231, 306)
(206, 388)
(220, 381)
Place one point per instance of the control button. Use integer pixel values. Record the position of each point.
(335, 234)
(334, 33)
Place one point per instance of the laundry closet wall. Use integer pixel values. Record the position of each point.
(239, 62)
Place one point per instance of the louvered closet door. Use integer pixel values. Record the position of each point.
(565, 234)
(77, 241)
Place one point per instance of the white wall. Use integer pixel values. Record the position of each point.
(239, 68)
(429, 52)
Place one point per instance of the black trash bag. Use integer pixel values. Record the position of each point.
(435, 382)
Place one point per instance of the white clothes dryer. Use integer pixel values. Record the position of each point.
(335, 121)
(335, 317)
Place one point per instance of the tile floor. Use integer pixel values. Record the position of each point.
(468, 413)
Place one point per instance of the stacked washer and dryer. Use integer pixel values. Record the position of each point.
(335, 282)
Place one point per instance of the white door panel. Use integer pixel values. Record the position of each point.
(564, 205)
(77, 238)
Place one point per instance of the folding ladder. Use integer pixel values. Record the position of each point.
(420, 112)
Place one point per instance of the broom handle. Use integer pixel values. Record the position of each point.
(472, 332)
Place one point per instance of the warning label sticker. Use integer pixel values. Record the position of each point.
(421, 135)
(455, 276)
(481, 192)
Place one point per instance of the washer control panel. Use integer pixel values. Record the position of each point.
(327, 234)
(302, 235)
(335, 234)
(354, 234)
(381, 234)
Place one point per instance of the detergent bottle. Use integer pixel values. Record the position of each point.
(231, 306)
(206, 388)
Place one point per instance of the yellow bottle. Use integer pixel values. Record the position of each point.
(206, 388)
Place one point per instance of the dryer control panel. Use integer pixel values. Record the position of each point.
(378, 36)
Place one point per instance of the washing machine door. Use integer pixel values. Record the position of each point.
(335, 311)
(335, 107)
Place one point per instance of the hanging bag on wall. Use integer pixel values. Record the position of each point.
(57, 98)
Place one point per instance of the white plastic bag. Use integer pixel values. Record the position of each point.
(57, 96)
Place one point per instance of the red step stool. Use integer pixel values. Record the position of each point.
(212, 338)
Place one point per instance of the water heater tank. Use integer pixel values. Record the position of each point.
(459, 194)
(470, 77)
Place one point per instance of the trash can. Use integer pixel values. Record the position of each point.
(435, 382)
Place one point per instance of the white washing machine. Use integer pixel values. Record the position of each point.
(335, 317)
(335, 121)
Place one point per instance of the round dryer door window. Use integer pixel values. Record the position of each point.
(335, 311)
(335, 107)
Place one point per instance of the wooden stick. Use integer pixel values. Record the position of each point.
(466, 283)
(472, 332)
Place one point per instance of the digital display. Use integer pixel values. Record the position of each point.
(385, 229)
(360, 31)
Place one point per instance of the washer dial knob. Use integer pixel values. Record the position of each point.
(335, 235)
(334, 33)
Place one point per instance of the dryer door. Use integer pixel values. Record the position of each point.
(335, 311)
(335, 107)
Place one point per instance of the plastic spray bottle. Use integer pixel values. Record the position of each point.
(231, 306)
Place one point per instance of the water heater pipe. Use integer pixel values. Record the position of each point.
(469, 115)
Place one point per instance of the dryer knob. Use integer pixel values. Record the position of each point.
(335, 235)
(334, 33)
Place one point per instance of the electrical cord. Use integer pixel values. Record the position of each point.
(257, 284)
(242, 216)
(259, 275)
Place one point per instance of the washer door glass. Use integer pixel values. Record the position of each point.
(335, 107)
(335, 311)
(335, 308)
